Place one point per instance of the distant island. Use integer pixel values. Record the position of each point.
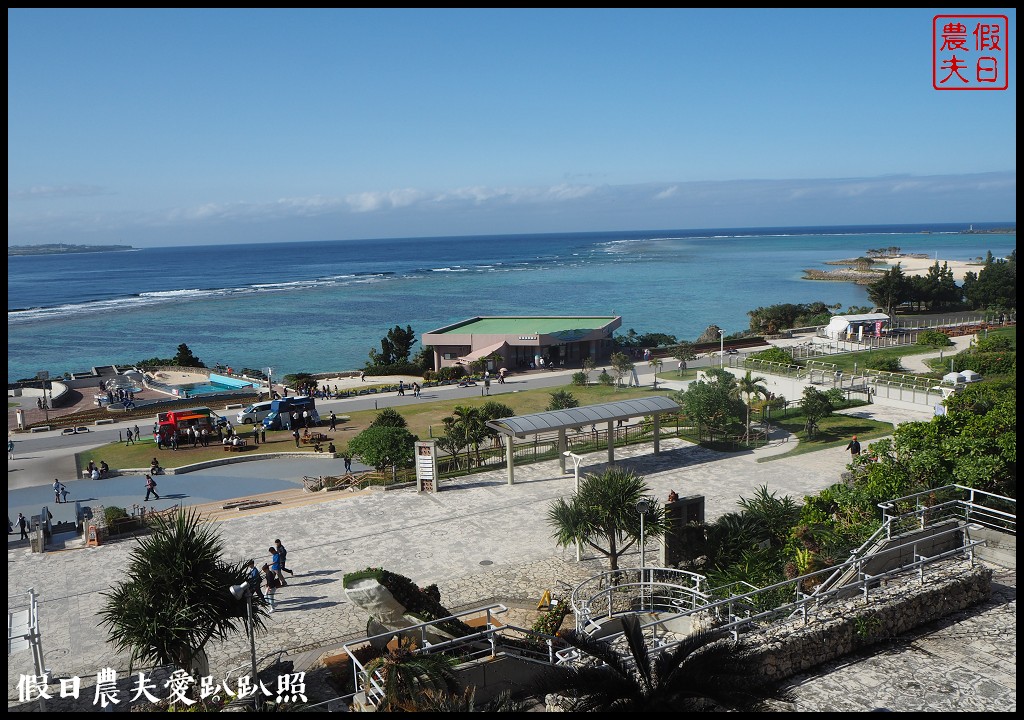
(60, 248)
(990, 231)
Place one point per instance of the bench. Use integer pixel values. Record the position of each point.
(315, 439)
(232, 447)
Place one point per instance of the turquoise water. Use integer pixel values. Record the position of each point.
(322, 306)
(207, 388)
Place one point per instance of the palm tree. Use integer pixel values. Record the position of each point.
(472, 424)
(656, 363)
(176, 598)
(699, 672)
(751, 387)
(403, 676)
(605, 509)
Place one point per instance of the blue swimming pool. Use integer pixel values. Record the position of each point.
(194, 389)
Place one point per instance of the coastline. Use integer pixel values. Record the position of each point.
(912, 265)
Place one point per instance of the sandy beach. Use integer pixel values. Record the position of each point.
(921, 265)
(912, 265)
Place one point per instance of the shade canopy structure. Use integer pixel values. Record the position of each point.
(970, 376)
(483, 352)
(954, 378)
(522, 426)
(550, 420)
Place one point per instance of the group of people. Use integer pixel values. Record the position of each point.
(133, 436)
(95, 472)
(402, 388)
(270, 576)
(60, 492)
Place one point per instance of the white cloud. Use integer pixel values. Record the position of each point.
(42, 192)
(561, 207)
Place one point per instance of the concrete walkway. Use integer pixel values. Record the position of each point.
(479, 539)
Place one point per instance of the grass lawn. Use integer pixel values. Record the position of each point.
(834, 431)
(420, 416)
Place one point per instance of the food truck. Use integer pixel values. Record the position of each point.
(180, 422)
(279, 417)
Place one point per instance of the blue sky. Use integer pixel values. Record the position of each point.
(169, 127)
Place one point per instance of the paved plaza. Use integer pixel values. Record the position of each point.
(483, 541)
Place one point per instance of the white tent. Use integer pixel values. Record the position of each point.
(971, 376)
(841, 325)
(954, 378)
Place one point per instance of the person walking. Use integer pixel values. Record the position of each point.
(854, 447)
(63, 493)
(138, 434)
(273, 583)
(130, 439)
(263, 434)
(56, 490)
(275, 565)
(150, 488)
(334, 421)
(254, 579)
(295, 434)
(256, 435)
(23, 527)
(282, 553)
(10, 449)
(348, 463)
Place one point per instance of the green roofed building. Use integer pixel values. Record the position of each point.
(522, 343)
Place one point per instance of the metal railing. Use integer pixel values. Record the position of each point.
(530, 645)
(760, 608)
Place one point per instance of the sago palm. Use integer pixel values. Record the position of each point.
(176, 597)
(401, 677)
(704, 667)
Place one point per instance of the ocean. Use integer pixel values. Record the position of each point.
(321, 306)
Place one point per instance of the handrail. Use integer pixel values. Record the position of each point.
(734, 623)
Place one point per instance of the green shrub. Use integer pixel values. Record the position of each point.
(579, 378)
(774, 354)
(933, 338)
(986, 363)
(112, 513)
(993, 343)
(604, 378)
(562, 400)
(885, 364)
(550, 621)
(451, 372)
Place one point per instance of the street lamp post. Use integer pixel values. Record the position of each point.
(270, 383)
(576, 460)
(642, 506)
(721, 343)
(239, 592)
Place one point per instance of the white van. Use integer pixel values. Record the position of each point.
(254, 413)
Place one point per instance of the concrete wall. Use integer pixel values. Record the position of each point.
(843, 627)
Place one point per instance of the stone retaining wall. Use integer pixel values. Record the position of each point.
(846, 626)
